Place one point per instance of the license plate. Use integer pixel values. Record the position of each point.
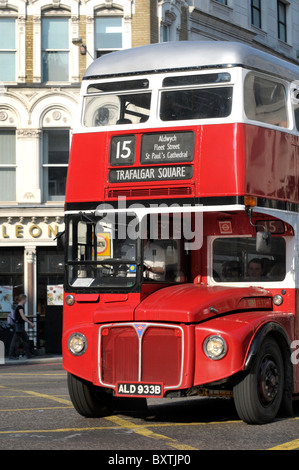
(139, 389)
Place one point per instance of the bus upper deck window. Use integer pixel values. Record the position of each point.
(197, 103)
(202, 79)
(265, 101)
(117, 103)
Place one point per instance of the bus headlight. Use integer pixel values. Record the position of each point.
(77, 344)
(215, 347)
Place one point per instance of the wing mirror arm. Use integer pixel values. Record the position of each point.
(263, 237)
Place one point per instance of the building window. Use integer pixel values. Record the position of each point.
(108, 34)
(55, 162)
(224, 2)
(165, 33)
(256, 13)
(7, 50)
(282, 21)
(7, 165)
(55, 49)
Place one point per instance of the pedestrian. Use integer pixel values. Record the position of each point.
(20, 333)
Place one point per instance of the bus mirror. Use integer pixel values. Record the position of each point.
(60, 237)
(296, 96)
(295, 92)
(263, 242)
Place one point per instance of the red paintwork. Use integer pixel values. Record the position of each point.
(114, 309)
(271, 164)
(230, 160)
(170, 304)
(238, 330)
(86, 179)
(247, 158)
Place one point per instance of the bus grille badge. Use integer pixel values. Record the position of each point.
(140, 329)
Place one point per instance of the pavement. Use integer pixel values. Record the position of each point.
(39, 359)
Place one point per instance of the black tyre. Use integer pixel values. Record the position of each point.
(258, 395)
(89, 401)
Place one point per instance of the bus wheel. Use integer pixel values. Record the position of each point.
(89, 401)
(258, 395)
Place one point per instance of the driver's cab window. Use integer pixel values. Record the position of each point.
(163, 254)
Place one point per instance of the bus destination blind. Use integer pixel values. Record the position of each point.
(156, 149)
(153, 173)
(169, 147)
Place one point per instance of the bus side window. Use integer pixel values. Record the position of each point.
(265, 101)
(249, 98)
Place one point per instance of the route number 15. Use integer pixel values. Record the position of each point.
(122, 150)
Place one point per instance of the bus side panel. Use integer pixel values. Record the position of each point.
(222, 161)
(237, 336)
(271, 166)
(238, 331)
(86, 176)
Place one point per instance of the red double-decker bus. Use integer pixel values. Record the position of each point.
(181, 229)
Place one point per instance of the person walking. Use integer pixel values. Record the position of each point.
(20, 333)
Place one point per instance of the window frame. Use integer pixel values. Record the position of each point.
(208, 89)
(45, 166)
(99, 51)
(11, 165)
(272, 79)
(267, 284)
(256, 9)
(223, 2)
(13, 50)
(47, 51)
(282, 22)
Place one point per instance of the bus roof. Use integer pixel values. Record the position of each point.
(188, 55)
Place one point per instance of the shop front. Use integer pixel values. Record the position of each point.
(31, 263)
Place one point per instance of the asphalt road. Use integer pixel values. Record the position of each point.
(36, 414)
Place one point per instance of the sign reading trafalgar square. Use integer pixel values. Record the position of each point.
(156, 150)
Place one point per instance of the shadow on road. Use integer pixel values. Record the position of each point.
(186, 410)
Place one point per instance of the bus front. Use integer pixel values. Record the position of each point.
(160, 234)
